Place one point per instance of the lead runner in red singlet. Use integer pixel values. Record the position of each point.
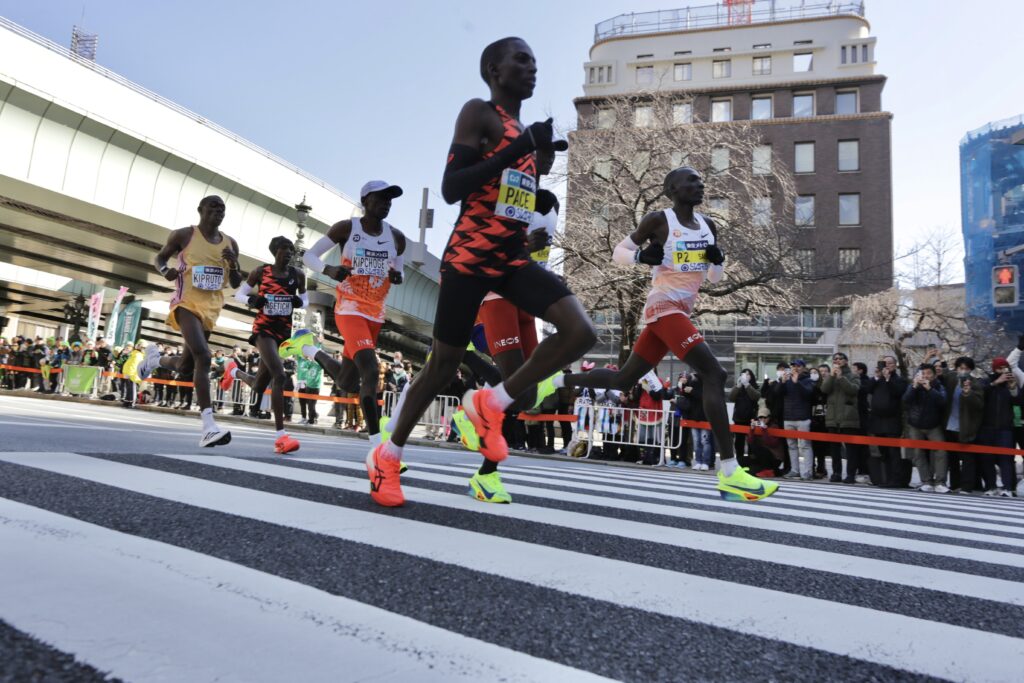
(693, 256)
(274, 290)
(492, 171)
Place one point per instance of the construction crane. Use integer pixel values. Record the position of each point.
(739, 11)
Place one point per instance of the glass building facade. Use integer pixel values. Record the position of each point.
(992, 211)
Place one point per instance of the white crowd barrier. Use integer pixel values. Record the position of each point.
(436, 420)
(598, 425)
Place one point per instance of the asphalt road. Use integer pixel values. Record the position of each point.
(127, 551)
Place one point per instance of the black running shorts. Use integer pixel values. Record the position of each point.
(531, 288)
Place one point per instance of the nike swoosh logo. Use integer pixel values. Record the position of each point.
(379, 242)
(487, 494)
(758, 491)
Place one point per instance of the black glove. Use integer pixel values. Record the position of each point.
(338, 273)
(653, 254)
(257, 301)
(396, 277)
(541, 133)
(714, 254)
(296, 301)
(546, 200)
(537, 240)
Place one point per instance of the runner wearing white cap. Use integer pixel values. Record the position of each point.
(371, 261)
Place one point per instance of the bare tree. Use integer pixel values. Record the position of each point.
(927, 308)
(615, 176)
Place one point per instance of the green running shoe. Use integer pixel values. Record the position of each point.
(467, 432)
(292, 348)
(385, 436)
(488, 488)
(743, 487)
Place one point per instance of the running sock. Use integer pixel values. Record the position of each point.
(389, 451)
(488, 467)
(208, 424)
(501, 396)
(309, 352)
(558, 380)
(727, 466)
(281, 432)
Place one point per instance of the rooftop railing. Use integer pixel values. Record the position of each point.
(709, 16)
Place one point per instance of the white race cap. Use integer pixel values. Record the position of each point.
(380, 186)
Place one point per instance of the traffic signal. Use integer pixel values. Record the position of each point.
(1005, 286)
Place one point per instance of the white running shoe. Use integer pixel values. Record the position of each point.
(926, 488)
(217, 437)
(863, 479)
(941, 488)
(149, 362)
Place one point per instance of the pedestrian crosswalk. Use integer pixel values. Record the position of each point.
(161, 567)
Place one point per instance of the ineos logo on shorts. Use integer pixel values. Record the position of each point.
(692, 339)
(364, 342)
(508, 341)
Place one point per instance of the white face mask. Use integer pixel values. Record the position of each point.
(780, 373)
(815, 376)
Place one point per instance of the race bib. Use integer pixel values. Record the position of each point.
(209, 278)
(278, 305)
(690, 256)
(370, 262)
(517, 196)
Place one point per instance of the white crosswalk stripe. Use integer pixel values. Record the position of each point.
(177, 567)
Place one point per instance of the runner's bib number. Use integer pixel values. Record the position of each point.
(517, 196)
(370, 262)
(278, 305)
(209, 278)
(690, 256)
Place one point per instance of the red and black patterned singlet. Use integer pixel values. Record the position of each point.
(275, 319)
(486, 242)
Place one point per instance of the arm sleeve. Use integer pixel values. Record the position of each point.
(399, 263)
(305, 299)
(716, 273)
(243, 293)
(312, 256)
(625, 252)
(466, 172)
(1014, 360)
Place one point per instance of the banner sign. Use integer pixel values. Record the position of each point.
(128, 323)
(110, 331)
(79, 379)
(95, 313)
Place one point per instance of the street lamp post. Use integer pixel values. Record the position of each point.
(75, 313)
(302, 210)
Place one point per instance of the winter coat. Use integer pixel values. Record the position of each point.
(925, 407)
(772, 398)
(796, 398)
(841, 411)
(886, 405)
(999, 403)
(744, 400)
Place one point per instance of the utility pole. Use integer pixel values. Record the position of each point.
(426, 221)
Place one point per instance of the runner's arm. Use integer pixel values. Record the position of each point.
(234, 272)
(301, 301)
(337, 235)
(397, 271)
(173, 247)
(717, 270)
(627, 252)
(243, 293)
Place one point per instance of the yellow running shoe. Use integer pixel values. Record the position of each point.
(545, 389)
(467, 432)
(488, 488)
(385, 436)
(292, 348)
(742, 486)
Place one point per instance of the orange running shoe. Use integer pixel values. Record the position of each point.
(486, 418)
(227, 380)
(385, 488)
(285, 444)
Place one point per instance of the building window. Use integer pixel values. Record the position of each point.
(643, 116)
(721, 49)
(682, 72)
(805, 261)
(842, 55)
(849, 260)
(804, 210)
(762, 66)
(846, 102)
(803, 161)
(863, 53)
(803, 105)
(762, 160)
(761, 108)
(605, 118)
(591, 77)
(803, 62)
(761, 215)
(679, 53)
(644, 75)
(682, 113)
(720, 159)
(721, 68)
(721, 110)
(763, 46)
(849, 155)
(849, 209)
(853, 54)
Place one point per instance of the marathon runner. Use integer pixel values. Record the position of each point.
(678, 272)
(492, 170)
(274, 290)
(371, 261)
(207, 263)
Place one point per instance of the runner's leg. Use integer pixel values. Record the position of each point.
(272, 370)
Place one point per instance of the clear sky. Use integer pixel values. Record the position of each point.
(351, 91)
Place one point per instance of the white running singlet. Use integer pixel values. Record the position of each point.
(676, 281)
